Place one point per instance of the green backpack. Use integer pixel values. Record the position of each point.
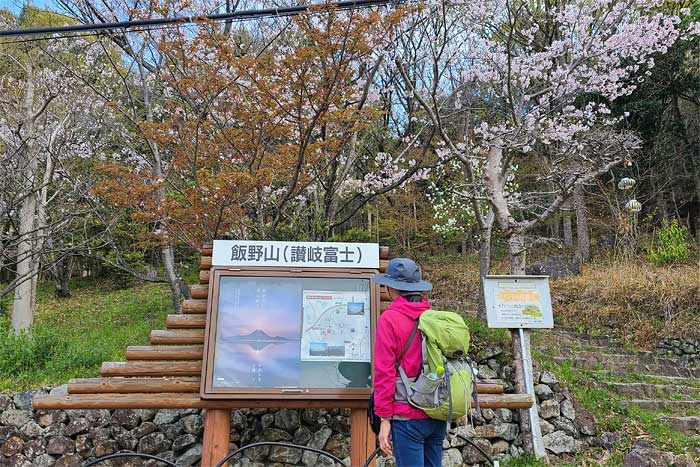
(446, 394)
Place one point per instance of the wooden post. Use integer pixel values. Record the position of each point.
(362, 439)
(217, 425)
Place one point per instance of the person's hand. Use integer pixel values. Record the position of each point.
(385, 438)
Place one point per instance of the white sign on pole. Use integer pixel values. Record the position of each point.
(518, 302)
(521, 302)
(295, 254)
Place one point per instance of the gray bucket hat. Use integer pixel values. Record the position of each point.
(403, 274)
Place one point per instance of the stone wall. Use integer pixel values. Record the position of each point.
(68, 438)
(685, 350)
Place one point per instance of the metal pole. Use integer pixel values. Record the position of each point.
(537, 443)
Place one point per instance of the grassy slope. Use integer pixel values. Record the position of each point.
(635, 300)
(73, 336)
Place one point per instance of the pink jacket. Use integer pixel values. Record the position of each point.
(393, 330)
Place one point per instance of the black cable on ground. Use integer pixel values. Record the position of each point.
(232, 454)
(118, 455)
(277, 443)
(478, 448)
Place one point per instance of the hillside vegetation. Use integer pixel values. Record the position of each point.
(633, 300)
(73, 336)
(636, 301)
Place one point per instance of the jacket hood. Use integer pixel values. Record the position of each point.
(411, 309)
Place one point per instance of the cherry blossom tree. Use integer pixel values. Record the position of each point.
(46, 119)
(535, 83)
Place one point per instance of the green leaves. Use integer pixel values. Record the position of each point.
(673, 245)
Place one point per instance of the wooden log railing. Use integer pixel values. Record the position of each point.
(178, 400)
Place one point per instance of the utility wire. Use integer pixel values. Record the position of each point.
(236, 15)
(71, 36)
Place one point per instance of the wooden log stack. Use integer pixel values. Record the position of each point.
(166, 374)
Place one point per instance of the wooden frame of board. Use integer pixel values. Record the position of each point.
(208, 391)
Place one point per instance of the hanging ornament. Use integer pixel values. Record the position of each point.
(633, 206)
(626, 183)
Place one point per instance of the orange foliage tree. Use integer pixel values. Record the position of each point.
(255, 131)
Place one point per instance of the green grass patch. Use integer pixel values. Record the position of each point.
(71, 337)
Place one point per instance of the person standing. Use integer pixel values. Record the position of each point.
(406, 432)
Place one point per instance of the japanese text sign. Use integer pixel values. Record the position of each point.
(518, 302)
(297, 254)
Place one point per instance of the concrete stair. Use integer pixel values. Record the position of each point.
(689, 425)
(603, 357)
(648, 390)
(631, 366)
(661, 404)
(643, 379)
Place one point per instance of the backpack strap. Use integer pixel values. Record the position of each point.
(402, 373)
(408, 344)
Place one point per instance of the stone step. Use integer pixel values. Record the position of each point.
(642, 377)
(577, 337)
(632, 367)
(605, 358)
(658, 404)
(553, 346)
(689, 426)
(647, 390)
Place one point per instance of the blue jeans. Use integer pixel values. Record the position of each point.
(418, 443)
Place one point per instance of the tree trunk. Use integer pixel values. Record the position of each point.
(168, 257)
(62, 270)
(583, 240)
(568, 233)
(167, 251)
(484, 262)
(516, 253)
(23, 305)
(495, 189)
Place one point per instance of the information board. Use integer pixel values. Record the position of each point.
(289, 333)
(518, 302)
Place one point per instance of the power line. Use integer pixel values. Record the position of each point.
(236, 15)
(72, 36)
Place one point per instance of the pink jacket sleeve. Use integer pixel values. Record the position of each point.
(385, 355)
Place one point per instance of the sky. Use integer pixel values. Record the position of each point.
(270, 304)
(16, 5)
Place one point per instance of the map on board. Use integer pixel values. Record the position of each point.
(335, 326)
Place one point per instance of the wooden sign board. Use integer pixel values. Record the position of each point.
(281, 333)
(253, 253)
(518, 302)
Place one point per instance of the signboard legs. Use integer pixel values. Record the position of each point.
(523, 336)
(362, 439)
(217, 426)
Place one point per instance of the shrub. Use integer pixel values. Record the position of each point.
(672, 245)
(353, 235)
(28, 351)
